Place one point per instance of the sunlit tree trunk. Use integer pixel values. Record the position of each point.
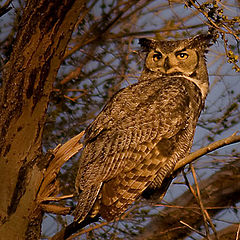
(44, 32)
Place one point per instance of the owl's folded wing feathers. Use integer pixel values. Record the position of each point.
(126, 132)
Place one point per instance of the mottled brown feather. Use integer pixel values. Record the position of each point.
(136, 140)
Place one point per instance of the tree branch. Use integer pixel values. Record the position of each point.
(5, 8)
(217, 191)
(211, 147)
(61, 155)
(230, 232)
(70, 229)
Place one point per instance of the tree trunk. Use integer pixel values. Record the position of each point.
(44, 32)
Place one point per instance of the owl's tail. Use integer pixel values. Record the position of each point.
(86, 201)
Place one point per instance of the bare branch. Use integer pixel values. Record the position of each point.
(216, 191)
(230, 232)
(61, 155)
(192, 229)
(5, 8)
(56, 209)
(211, 147)
(205, 214)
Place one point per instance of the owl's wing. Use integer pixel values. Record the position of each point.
(128, 129)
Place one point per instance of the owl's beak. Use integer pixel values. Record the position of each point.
(166, 64)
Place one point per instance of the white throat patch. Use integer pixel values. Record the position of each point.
(202, 86)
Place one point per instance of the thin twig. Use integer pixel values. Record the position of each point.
(226, 50)
(49, 208)
(122, 217)
(5, 8)
(213, 23)
(197, 199)
(200, 203)
(56, 199)
(185, 207)
(211, 147)
(191, 228)
(238, 231)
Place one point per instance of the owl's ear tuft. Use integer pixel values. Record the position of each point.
(147, 43)
(201, 42)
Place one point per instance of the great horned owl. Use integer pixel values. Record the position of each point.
(145, 128)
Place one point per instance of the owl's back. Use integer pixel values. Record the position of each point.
(136, 140)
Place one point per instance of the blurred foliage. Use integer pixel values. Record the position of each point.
(103, 56)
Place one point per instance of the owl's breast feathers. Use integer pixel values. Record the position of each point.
(135, 142)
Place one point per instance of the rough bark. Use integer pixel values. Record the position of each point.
(221, 189)
(44, 31)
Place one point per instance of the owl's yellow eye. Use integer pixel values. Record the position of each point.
(157, 56)
(182, 56)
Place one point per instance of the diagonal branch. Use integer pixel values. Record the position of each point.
(5, 8)
(211, 147)
(67, 231)
(220, 191)
(60, 155)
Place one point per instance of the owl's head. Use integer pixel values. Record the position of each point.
(177, 58)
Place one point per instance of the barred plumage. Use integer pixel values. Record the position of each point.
(136, 140)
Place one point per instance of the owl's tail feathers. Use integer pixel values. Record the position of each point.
(85, 204)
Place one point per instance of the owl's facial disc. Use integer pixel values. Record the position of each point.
(184, 61)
